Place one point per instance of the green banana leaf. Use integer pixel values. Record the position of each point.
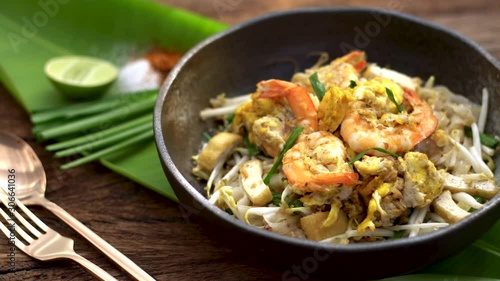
(33, 31)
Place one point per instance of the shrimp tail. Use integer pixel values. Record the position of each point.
(298, 98)
(428, 122)
(356, 59)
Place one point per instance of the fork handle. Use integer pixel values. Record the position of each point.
(110, 251)
(91, 267)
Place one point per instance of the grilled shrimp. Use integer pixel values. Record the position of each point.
(298, 98)
(317, 162)
(365, 127)
(274, 110)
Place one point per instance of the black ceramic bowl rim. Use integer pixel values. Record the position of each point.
(492, 206)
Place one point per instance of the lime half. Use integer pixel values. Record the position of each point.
(79, 77)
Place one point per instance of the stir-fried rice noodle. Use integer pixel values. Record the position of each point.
(378, 155)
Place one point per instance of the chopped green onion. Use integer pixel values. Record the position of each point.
(391, 97)
(362, 153)
(295, 204)
(398, 234)
(352, 84)
(229, 211)
(289, 143)
(252, 148)
(485, 139)
(276, 201)
(480, 200)
(318, 88)
(206, 136)
(230, 118)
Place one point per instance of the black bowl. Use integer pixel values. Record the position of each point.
(233, 61)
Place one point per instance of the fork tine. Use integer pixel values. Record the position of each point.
(3, 227)
(19, 230)
(21, 219)
(32, 216)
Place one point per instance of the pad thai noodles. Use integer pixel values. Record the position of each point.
(348, 151)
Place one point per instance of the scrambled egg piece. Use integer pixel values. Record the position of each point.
(373, 165)
(373, 206)
(423, 183)
(385, 205)
(268, 133)
(266, 121)
(395, 186)
(333, 108)
(252, 110)
(373, 92)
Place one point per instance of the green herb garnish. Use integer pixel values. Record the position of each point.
(289, 143)
(317, 86)
(480, 200)
(146, 135)
(276, 201)
(115, 115)
(88, 108)
(252, 148)
(97, 128)
(230, 118)
(391, 97)
(295, 204)
(206, 136)
(362, 153)
(485, 139)
(103, 142)
(103, 135)
(352, 84)
(398, 234)
(229, 211)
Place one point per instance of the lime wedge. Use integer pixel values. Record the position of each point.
(79, 77)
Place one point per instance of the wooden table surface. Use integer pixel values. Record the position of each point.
(151, 229)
